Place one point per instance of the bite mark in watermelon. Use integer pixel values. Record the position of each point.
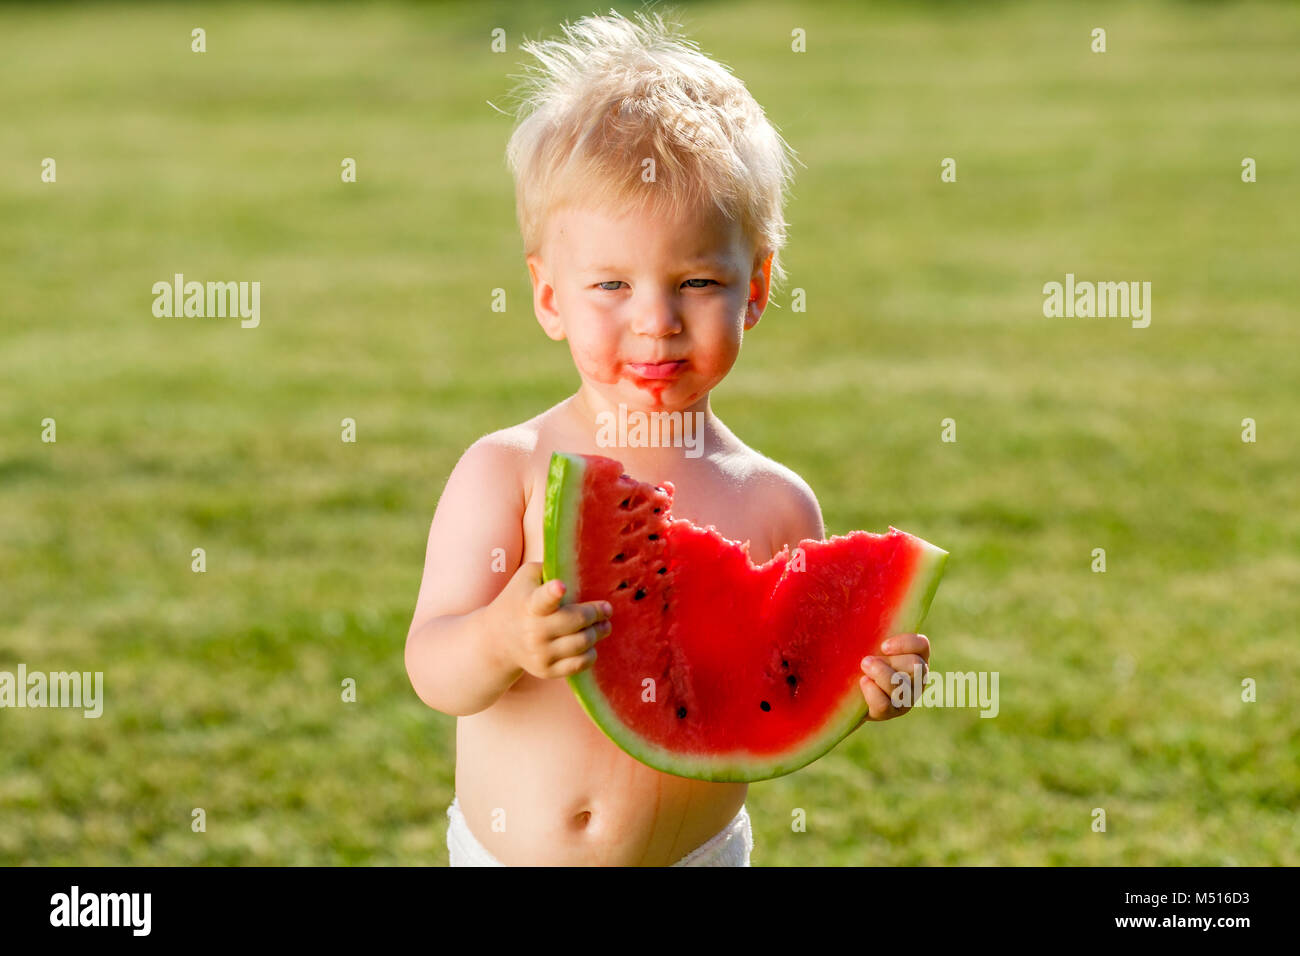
(755, 669)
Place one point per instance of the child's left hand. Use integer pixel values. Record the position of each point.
(909, 654)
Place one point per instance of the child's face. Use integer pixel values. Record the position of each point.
(653, 308)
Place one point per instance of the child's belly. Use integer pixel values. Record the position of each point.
(562, 793)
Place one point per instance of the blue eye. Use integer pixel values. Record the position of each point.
(619, 281)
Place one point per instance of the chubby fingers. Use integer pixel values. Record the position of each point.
(917, 644)
(879, 706)
(913, 665)
(574, 631)
(547, 597)
(572, 618)
(878, 683)
(562, 636)
(909, 654)
(571, 649)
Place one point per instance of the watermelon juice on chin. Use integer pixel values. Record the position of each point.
(719, 669)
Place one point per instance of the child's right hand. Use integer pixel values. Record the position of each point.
(540, 635)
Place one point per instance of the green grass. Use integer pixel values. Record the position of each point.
(1118, 690)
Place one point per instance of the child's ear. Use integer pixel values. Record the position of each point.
(544, 299)
(760, 285)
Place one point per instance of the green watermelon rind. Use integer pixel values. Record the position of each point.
(561, 518)
(562, 533)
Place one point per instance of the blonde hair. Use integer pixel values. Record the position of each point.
(613, 94)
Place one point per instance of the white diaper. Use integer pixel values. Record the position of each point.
(730, 846)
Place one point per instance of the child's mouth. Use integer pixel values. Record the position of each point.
(655, 370)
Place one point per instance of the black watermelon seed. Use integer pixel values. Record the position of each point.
(622, 585)
(623, 503)
(640, 593)
(765, 705)
(654, 537)
(620, 557)
(663, 570)
(792, 680)
(657, 510)
(785, 663)
(681, 711)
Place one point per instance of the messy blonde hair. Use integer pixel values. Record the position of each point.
(614, 93)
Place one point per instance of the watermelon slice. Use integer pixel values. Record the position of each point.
(716, 668)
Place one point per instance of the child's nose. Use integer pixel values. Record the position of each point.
(656, 316)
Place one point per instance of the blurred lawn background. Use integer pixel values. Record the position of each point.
(1118, 690)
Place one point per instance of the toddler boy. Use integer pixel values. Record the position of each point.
(649, 190)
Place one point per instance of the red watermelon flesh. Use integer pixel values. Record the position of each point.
(716, 668)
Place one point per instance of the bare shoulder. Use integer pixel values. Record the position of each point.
(780, 493)
(480, 512)
(498, 460)
(507, 464)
